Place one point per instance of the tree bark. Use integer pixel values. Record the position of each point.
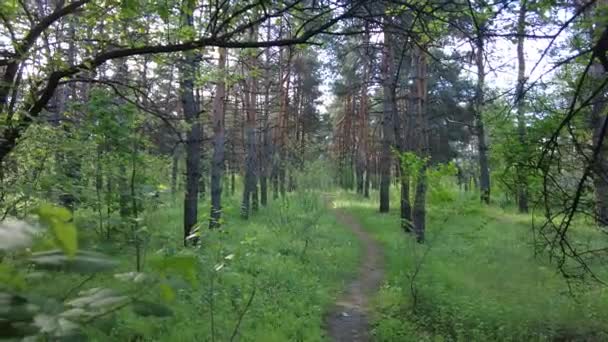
(401, 136)
(251, 168)
(187, 69)
(522, 181)
(406, 208)
(388, 128)
(217, 165)
(419, 212)
(285, 76)
(597, 122)
(266, 154)
(420, 85)
(363, 158)
(367, 178)
(482, 146)
(175, 170)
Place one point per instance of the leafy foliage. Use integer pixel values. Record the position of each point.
(59, 316)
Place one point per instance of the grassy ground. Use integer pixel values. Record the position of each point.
(292, 253)
(477, 279)
(273, 277)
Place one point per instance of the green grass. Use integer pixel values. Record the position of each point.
(478, 279)
(296, 268)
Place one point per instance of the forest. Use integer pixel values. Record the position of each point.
(303, 170)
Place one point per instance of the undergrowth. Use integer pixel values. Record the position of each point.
(477, 280)
(271, 278)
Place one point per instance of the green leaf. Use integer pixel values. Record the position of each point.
(82, 262)
(64, 231)
(67, 238)
(55, 325)
(129, 8)
(93, 302)
(10, 277)
(184, 265)
(167, 293)
(145, 308)
(88, 297)
(136, 277)
(162, 8)
(48, 213)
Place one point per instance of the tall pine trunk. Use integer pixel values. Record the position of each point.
(388, 128)
(250, 198)
(217, 165)
(187, 70)
(522, 181)
(175, 169)
(266, 155)
(420, 93)
(419, 212)
(285, 76)
(482, 146)
(401, 135)
(367, 178)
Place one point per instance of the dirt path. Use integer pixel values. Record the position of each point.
(348, 319)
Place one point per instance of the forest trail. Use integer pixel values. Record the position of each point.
(348, 320)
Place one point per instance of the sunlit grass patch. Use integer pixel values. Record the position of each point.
(480, 280)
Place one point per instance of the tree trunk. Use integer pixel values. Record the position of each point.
(250, 104)
(363, 151)
(187, 69)
(600, 169)
(359, 175)
(406, 208)
(175, 170)
(420, 93)
(282, 179)
(367, 178)
(522, 181)
(291, 181)
(232, 182)
(401, 136)
(482, 146)
(285, 77)
(247, 183)
(255, 199)
(597, 122)
(419, 213)
(217, 164)
(266, 155)
(388, 127)
(275, 182)
(69, 163)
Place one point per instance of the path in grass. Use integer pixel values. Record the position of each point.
(348, 320)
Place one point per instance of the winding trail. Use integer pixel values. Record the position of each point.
(348, 320)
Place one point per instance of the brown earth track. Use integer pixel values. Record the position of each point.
(348, 320)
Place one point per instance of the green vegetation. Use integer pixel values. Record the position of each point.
(268, 279)
(167, 169)
(295, 266)
(478, 279)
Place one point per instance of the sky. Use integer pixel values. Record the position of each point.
(501, 66)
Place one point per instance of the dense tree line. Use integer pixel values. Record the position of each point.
(118, 107)
(419, 87)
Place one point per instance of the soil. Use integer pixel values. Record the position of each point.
(348, 320)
